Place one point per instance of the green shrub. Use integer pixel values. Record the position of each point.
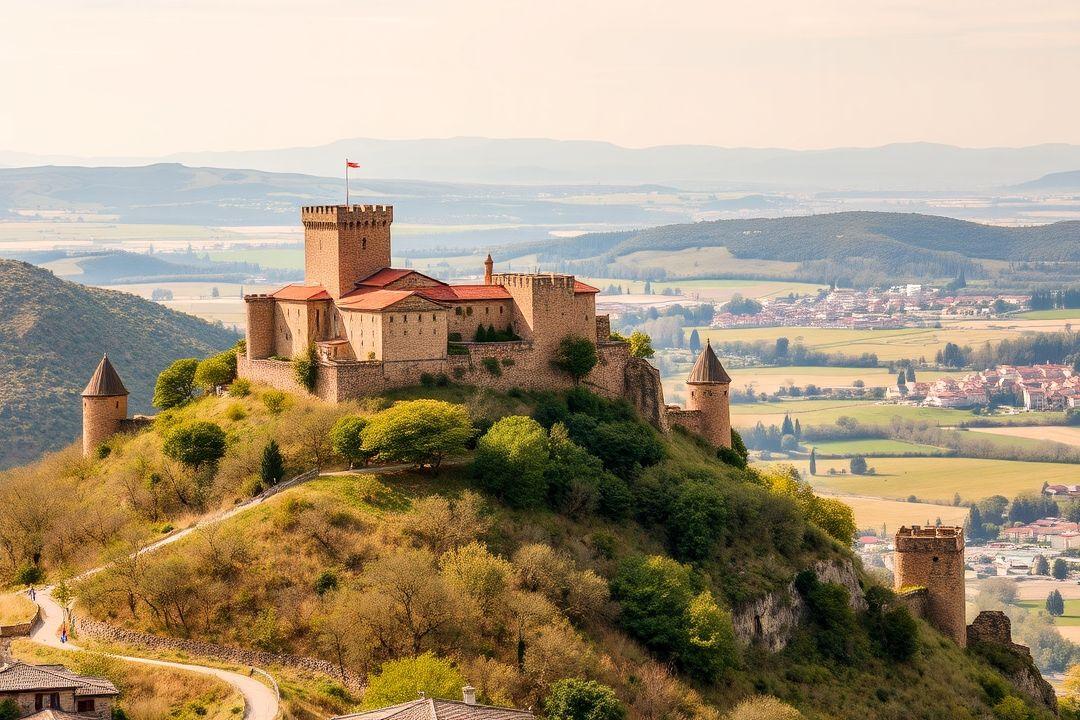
(511, 459)
(176, 384)
(492, 366)
(576, 356)
(29, 574)
(275, 401)
(240, 387)
(216, 370)
(574, 699)
(696, 520)
(196, 443)
(835, 630)
(9, 709)
(326, 582)
(422, 432)
(306, 368)
(235, 412)
(400, 680)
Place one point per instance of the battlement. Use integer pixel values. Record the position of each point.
(344, 214)
(550, 280)
(946, 538)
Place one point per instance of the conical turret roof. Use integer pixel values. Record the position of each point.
(708, 369)
(105, 382)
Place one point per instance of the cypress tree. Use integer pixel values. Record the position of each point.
(813, 461)
(272, 468)
(787, 428)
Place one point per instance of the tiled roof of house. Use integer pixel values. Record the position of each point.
(371, 299)
(461, 293)
(382, 278)
(105, 382)
(50, 714)
(435, 709)
(708, 369)
(584, 288)
(301, 292)
(22, 677)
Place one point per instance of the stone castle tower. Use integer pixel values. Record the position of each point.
(104, 406)
(344, 244)
(709, 383)
(933, 558)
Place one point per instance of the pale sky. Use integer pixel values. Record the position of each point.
(149, 77)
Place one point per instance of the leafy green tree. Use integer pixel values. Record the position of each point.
(196, 443)
(326, 582)
(1055, 604)
(1060, 570)
(572, 474)
(272, 465)
(575, 356)
(176, 384)
(575, 699)
(421, 432)
(834, 517)
(1042, 565)
(735, 455)
(511, 459)
(696, 520)
(641, 345)
(713, 647)
(9, 709)
(216, 370)
(858, 465)
(346, 437)
(400, 680)
(306, 368)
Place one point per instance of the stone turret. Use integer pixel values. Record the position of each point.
(104, 405)
(709, 383)
(933, 558)
(489, 266)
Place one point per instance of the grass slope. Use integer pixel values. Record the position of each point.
(52, 335)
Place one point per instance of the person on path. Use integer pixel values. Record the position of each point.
(33, 594)
(63, 633)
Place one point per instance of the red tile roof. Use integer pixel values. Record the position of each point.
(371, 299)
(460, 293)
(301, 292)
(582, 288)
(382, 278)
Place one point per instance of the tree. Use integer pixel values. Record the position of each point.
(900, 634)
(575, 699)
(1060, 569)
(901, 378)
(576, 356)
(641, 345)
(421, 432)
(695, 341)
(9, 710)
(858, 465)
(306, 368)
(696, 520)
(511, 458)
(346, 437)
(176, 384)
(813, 461)
(786, 428)
(401, 680)
(1055, 604)
(1042, 565)
(216, 370)
(272, 466)
(573, 475)
(196, 443)
(973, 524)
(798, 429)
(910, 374)
(781, 348)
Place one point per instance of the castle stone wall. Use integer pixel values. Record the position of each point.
(260, 325)
(465, 318)
(934, 558)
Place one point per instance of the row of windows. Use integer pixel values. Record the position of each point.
(467, 310)
(419, 318)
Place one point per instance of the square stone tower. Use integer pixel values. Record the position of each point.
(344, 244)
(933, 558)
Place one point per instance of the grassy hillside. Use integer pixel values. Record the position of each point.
(900, 245)
(366, 567)
(52, 335)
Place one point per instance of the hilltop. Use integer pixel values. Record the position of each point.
(362, 567)
(1068, 180)
(52, 335)
(897, 245)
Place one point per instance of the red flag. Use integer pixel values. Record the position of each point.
(352, 164)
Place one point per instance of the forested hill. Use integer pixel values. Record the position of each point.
(888, 242)
(52, 335)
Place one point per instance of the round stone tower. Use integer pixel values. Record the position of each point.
(489, 266)
(708, 383)
(104, 406)
(933, 558)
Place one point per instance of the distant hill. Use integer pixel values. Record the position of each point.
(52, 335)
(1054, 181)
(894, 245)
(544, 161)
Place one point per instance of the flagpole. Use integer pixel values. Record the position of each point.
(346, 182)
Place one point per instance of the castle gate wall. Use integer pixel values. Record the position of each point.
(934, 558)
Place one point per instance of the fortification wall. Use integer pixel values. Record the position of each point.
(934, 558)
(642, 387)
(465, 318)
(260, 325)
(688, 419)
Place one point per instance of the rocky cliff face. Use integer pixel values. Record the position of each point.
(991, 636)
(642, 388)
(771, 621)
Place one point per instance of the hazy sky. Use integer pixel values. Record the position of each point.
(157, 76)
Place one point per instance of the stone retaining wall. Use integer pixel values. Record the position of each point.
(22, 629)
(238, 656)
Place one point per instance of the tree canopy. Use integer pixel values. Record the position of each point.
(421, 432)
(575, 356)
(176, 384)
(195, 443)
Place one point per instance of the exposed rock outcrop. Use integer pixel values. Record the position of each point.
(771, 620)
(990, 635)
(642, 388)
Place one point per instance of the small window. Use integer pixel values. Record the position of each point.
(487, 311)
(468, 310)
(457, 311)
(433, 317)
(500, 309)
(86, 705)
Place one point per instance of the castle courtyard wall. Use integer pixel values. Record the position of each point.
(465, 317)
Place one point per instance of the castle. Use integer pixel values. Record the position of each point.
(374, 327)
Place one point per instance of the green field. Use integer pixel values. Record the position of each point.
(874, 446)
(1063, 314)
(712, 289)
(1071, 618)
(868, 412)
(938, 478)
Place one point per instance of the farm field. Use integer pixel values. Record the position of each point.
(1060, 314)
(716, 289)
(702, 261)
(873, 446)
(287, 258)
(769, 379)
(939, 478)
(877, 512)
(904, 343)
(136, 237)
(1069, 435)
(1071, 618)
(825, 412)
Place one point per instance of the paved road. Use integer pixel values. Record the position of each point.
(260, 701)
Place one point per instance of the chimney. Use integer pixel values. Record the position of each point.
(468, 694)
(488, 266)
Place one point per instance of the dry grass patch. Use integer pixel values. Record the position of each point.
(146, 692)
(16, 608)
